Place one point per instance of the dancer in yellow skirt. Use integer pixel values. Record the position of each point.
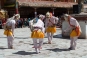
(38, 34)
(9, 29)
(50, 25)
(76, 30)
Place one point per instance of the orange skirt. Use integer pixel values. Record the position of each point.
(8, 32)
(73, 33)
(51, 29)
(37, 34)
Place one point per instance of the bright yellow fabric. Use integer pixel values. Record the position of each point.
(37, 34)
(51, 29)
(73, 33)
(8, 32)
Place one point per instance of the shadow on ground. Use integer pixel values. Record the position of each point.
(3, 47)
(24, 53)
(22, 37)
(18, 37)
(38, 43)
(57, 36)
(58, 50)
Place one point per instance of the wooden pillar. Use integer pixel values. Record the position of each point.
(68, 10)
(75, 1)
(81, 2)
(35, 12)
(16, 7)
(53, 11)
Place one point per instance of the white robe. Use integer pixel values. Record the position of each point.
(11, 22)
(39, 24)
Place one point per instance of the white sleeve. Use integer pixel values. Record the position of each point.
(13, 27)
(75, 23)
(56, 20)
(31, 22)
(43, 29)
(45, 23)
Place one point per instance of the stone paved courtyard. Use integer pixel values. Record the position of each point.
(58, 48)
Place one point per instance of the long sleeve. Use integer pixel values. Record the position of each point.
(56, 20)
(45, 23)
(43, 29)
(75, 23)
(13, 27)
(30, 23)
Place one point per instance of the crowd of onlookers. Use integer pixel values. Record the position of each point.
(2, 22)
(23, 22)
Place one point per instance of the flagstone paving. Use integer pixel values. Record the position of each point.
(23, 46)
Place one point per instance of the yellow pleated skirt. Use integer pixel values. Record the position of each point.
(73, 33)
(51, 29)
(37, 34)
(8, 32)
